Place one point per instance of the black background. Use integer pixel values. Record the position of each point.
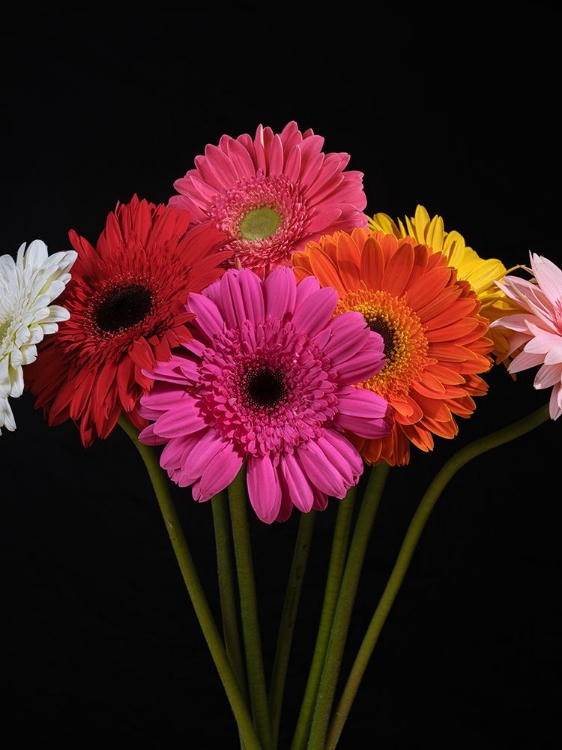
(452, 108)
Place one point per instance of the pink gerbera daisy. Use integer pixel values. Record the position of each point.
(126, 301)
(273, 193)
(268, 379)
(536, 340)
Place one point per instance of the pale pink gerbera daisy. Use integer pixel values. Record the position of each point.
(268, 379)
(271, 194)
(537, 329)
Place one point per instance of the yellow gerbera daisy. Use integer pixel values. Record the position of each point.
(481, 274)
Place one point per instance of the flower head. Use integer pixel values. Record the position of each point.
(480, 273)
(435, 343)
(272, 193)
(268, 380)
(28, 286)
(537, 327)
(127, 309)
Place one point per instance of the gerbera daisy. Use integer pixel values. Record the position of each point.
(435, 343)
(127, 309)
(273, 193)
(267, 380)
(28, 286)
(480, 273)
(537, 327)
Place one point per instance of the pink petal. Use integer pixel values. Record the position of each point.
(525, 361)
(174, 451)
(197, 456)
(241, 159)
(348, 334)
(321, 219)
(252, 296)
(148, 437)
(314, 307)
(280, 293)
(276, 157)
(363, 412)
(326, 180)
(331, 470)
(555, 403)
(363, 366)
(548, 276)
(208, 317)
(216, 167)
(293, 164)
(219, 473)
(547, 376)
(236, 287)
(312, 159)
(170, 371)
(264, 488)
(298, 486)
(182, 420)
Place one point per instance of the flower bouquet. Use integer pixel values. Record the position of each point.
(271, 347)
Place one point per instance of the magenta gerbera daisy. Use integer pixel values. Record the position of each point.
(273, 193)
(536, 339)
(268, 379)
(126, 302)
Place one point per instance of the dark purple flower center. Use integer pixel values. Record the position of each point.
(265, 386)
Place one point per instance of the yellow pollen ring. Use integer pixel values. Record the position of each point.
(405, 343)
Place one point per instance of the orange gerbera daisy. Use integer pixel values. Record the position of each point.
(435, 337)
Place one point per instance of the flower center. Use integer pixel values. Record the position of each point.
(264, 387)
(405, 343)
(267, 387)
(4, 330)
(265, 217)
(259, 224)
(123, 308)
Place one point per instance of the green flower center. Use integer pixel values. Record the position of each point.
(3, 329)
(259, 223)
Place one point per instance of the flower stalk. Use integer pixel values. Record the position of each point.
(196, 593)
(249, 609)
(411, 539)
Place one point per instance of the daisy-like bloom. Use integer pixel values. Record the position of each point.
(480, 273)
(272, 193)
(435, 338)
(268, 380)
(536, 329)
(126, 302)
(28, 286)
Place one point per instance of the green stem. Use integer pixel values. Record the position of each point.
(249, 608)
(288, 617)
(225, 568)
(406, 553)
(344, 607)
(338, 556)
(197, 595)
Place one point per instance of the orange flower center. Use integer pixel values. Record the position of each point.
(405, 343)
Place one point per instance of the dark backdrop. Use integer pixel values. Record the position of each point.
(453, 109)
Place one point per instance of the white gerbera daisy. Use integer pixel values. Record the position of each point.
(28, 285)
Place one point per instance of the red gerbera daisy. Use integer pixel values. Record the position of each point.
(435, 338)
(126, 301)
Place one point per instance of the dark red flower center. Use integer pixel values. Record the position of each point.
(124, 308)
